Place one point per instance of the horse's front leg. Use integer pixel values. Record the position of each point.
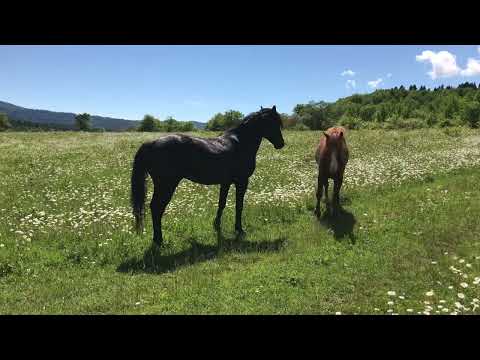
(241, 188)
(222, 201)
(319, 193)
(337, 184)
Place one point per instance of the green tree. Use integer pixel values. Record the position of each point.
(83, 122)
(170, 124)
(381, 113)
(289, 121)
(224, 121)
(149, 124)
(4, 123)
(431, 119)
(233, 118)
(187, 126)
(307, 120)
(216, 123)
(367, 112)
(451, 106)
(471, 113)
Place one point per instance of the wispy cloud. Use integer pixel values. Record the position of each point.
(374, 83)
(350, 84)
(389, 75)
(348, 73)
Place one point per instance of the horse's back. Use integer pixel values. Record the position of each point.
(203, 160)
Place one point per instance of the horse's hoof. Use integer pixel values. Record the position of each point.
(240, 234)
(158, 242)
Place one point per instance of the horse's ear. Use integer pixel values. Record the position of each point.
(261, 107)
(274, 108)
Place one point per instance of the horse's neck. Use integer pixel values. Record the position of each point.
(248, 140)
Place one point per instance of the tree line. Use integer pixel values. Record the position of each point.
(394, 108)
(150, 123)
(83, 122)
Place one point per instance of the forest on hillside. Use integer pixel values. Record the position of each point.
(394, 108)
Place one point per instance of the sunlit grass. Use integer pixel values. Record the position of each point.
(411, 202)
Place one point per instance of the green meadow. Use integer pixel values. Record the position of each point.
(406, 242)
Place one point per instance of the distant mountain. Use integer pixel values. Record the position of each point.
(199, 125)
(65, 119)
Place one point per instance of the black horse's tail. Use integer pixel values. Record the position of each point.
(139, 188)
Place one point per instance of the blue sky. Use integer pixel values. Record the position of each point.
(194, 82)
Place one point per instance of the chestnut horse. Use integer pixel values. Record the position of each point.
(332, 157)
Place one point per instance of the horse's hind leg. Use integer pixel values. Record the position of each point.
(222, 201)
(319, 194)
(163, 192)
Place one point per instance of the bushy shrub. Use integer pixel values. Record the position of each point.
(351, 122)
(300, 127)
(452, 131)
(471, 114)
(431, 119)
(411, 124)
(445, 122)
(373, 125)
(4, 123)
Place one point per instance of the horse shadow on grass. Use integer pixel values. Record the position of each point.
(154, 262)
(341, 223)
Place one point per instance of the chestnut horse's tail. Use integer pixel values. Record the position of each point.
(139, 188)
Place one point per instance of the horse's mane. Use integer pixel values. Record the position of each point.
(248, 119)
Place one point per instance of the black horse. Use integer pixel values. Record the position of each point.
(229, 158)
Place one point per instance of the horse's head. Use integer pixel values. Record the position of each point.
(271, 126)
(335, 136)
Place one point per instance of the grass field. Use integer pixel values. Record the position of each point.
(407, 241)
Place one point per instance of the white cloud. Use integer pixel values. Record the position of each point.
(472, 69)
(375, 83)
(444, 64)
(478, 48)
(348, 73)
(351, 84)
(389, 75)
